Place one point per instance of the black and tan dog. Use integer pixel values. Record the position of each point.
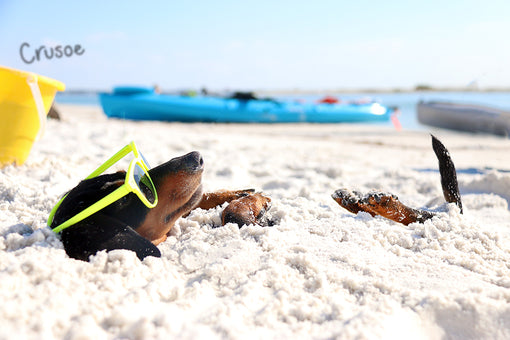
(129, 224)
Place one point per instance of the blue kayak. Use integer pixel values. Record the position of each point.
(140, 103)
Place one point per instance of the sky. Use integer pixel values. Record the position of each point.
(262, 45)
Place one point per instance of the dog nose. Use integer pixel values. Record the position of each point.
(193, 161)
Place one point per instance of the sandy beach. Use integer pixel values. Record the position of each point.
(320, 272)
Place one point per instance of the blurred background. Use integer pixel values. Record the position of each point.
(397, 52)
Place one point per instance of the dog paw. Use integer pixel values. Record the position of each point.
(246, 210)
(349, 200)
(380, 203)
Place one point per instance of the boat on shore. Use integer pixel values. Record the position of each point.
(464, 117)
(142, 103)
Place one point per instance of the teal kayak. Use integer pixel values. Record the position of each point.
(140, 103)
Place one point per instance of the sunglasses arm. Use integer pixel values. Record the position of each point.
(114, 159)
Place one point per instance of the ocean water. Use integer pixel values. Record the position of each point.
(77, 98)
(406, 102)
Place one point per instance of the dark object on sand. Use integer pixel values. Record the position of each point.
(53, 113)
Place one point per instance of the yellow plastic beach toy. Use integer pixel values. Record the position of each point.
(25, 99)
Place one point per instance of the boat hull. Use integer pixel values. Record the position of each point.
(147, 105)
(464, 117)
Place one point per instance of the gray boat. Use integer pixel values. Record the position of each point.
(464, 117)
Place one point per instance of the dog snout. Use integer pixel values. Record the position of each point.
(193, 162)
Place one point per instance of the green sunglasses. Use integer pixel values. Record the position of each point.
(137, 181)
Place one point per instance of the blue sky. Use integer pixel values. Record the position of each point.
(263, 44)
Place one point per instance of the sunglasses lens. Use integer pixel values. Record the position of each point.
(145, 161)
(144, 184)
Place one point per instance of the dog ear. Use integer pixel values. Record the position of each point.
(86, 193)
(103, 232)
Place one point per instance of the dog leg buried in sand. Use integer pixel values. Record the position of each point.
(388, 205)
(136, 210)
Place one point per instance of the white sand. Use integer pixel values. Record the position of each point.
(320, 272)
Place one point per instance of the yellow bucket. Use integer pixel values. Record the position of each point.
(25, 99)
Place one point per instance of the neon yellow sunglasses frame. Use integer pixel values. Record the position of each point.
(130, 185)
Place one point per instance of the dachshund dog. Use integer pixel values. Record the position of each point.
(129, 224)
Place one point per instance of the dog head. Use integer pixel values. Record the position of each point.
(177, 182)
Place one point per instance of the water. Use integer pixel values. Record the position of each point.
(406, 102)
(77, 98)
